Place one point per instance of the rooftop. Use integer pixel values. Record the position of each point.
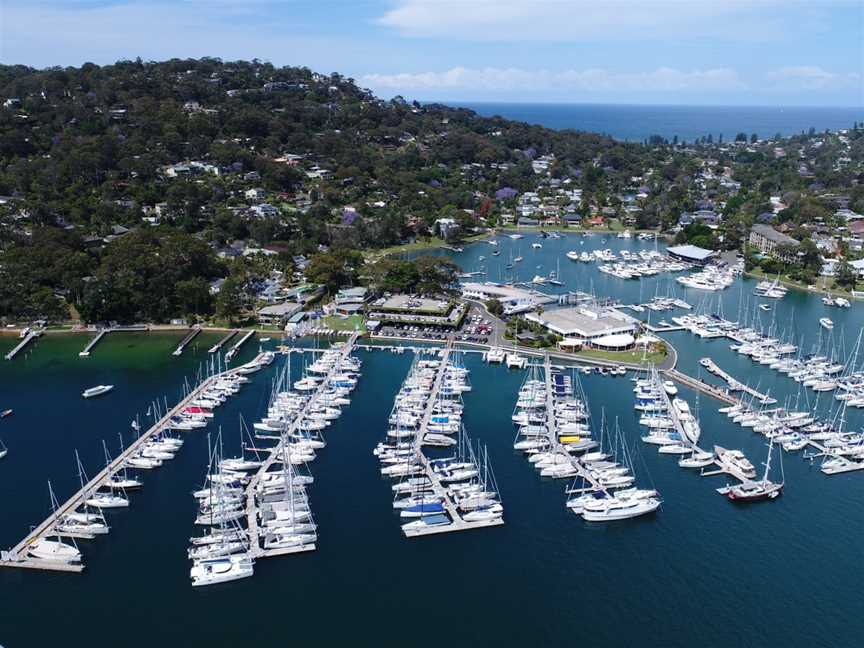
(584, 322)
(413, 303)
(691, 252)
(773, 235)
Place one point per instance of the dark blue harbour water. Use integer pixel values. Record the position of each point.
(702, 572)
(638, 122)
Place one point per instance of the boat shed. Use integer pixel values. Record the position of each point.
(691, 254)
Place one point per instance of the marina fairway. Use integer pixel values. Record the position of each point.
(701, 572)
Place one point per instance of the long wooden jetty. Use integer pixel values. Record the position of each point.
(236, 348)
(105, 331)
(215, 348)
(700, 385)
(735, 385)
(440, 490)
(275, 454)
(186, 340)
(17, 556)
(94, 341)
(32, 335)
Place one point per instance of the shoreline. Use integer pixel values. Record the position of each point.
(795, 285)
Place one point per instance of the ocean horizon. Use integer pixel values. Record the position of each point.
(637, 122)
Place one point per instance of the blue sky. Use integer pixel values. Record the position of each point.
(738, 52)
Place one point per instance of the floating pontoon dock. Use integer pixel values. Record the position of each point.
(275, 455)
(17, 556)
(735, 385)
(458, 523)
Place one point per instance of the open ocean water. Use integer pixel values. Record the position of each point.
(701, 572)
(638, 122)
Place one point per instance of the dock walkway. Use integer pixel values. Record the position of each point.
(32, 335)
(735, 385)
(186, 340)
(700, 385)
(236, 348)
(440, 490)
(223, 341)
(94, 341)
(17, 556)
(552, 430)
(275, 454)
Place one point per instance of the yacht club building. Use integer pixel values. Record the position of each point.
(604, 328)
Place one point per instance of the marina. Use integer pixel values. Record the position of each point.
(441, 493)
(150, 540)
(20, 556)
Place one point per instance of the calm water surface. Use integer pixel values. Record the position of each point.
(702, 572)
(636, 123)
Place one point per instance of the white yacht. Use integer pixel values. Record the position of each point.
(54, 550)
(97, 391)
(221, 570)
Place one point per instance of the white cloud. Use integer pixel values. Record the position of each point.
(813, 77)
(593, 20)
(493, 79)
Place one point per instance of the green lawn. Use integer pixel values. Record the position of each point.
(350, 323)
(633, 357)
(375, 255)
(822, 284)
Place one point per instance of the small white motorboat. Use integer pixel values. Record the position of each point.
(826, 323)
(97, 391)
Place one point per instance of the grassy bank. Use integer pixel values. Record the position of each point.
(822, 285)
(636, 356)
(350, 323)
